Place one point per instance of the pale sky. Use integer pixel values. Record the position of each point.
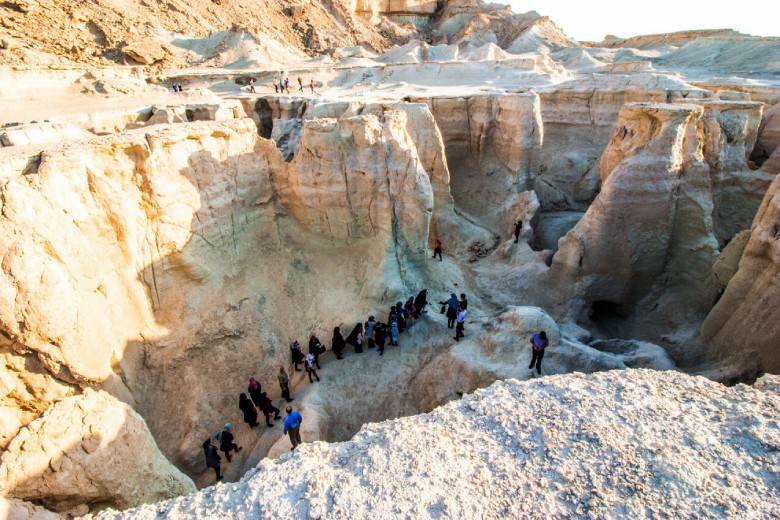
(593, 19)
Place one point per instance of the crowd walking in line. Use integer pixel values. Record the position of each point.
(374, 334)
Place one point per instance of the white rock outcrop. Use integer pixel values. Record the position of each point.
(89, 449)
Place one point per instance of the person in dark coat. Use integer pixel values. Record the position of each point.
(539, 342)
(437, 249)
(355, 338)
(337, 344)
(315, 349)
(463, 301)
(254, 390)
(297, 354)
(421, 301)
(400, 313)
(213, 460)
(518, 229)
(250, 414)
(226, 444)
(268, 408)
(410, 310)
(380, 334)
(452, 309)
(284, 383)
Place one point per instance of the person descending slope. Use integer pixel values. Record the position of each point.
(292, 426)
(452, 309)
(518, 229)
(420, 302)
(337, 344)
(539, 342)
(284, 383)
(213, 460)
(268, 408)
(297, 354)
(226, 444)
(250, 414)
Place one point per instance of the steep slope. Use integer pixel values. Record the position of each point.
(615, 444)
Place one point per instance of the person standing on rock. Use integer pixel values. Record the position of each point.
(284, 383)
(250, 414)
(539, 342)
(460, 323)
(315, 349)
(268, 408)
(380, 334)
(518, 229)
(452, 309)
(437, 249)
(421, 301)
(355, 338)
(370, 324)
(337, 344)
(226, 444)
(311, 369)
(213, 460)
(292, 426)
(297, 354)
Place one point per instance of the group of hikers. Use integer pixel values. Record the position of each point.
(374, 334)
(282, 84)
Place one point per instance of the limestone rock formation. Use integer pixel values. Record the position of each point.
(645, 248)
(742, 319)
(89, 449)
(610, 444)
(21, 510)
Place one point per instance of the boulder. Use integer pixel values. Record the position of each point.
(89, 449)
(145, 51)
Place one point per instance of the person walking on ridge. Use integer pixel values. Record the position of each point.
(518, 229)
(437, 249)
(213, 460)
(276, 83)
(226, 444)
(250, 414)
(284, 383)
(292, 426)
(539, 342)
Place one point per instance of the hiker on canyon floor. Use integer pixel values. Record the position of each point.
(297, 354)
(284, 383)
(539, 342)
(254, 390)
(452, 309)
(337, 344)
(311, 85)
(463, 301)
(437, 249)
(410, 310)
(251, 85)
(518, 229)
(300, 84)
(394, 332)
(292, 426)
(310, 363)
(370, 324)
(400, 314)
(315, 349)
(380, 334)
(420, 302)
(226, 444)
(355, 338)
(250, 414)
(268, 408)
(460, 323)
(276, 83)
(213, 460)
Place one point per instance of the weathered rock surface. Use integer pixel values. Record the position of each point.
(89, 449)
(21, 510)
(742, 320)
(646, 246)
(610, 444)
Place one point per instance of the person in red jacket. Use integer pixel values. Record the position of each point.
(437, 249)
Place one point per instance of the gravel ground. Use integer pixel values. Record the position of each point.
(619, 444)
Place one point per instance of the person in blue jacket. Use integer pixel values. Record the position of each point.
(539, 342)
(292, 426)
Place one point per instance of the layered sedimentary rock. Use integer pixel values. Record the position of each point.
(645, 248)
(744, 319)
(89, 450)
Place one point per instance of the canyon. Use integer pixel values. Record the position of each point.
(159, 248)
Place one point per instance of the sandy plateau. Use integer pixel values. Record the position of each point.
(158, 248)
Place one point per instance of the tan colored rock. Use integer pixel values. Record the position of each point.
(768, 134)
(743, 318)
(727, 263)
(645, 248)
(21, 510)
(145, 51)
(89, 449)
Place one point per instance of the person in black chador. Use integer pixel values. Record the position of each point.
(250, 414)
(337, 343)
(355, 338)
